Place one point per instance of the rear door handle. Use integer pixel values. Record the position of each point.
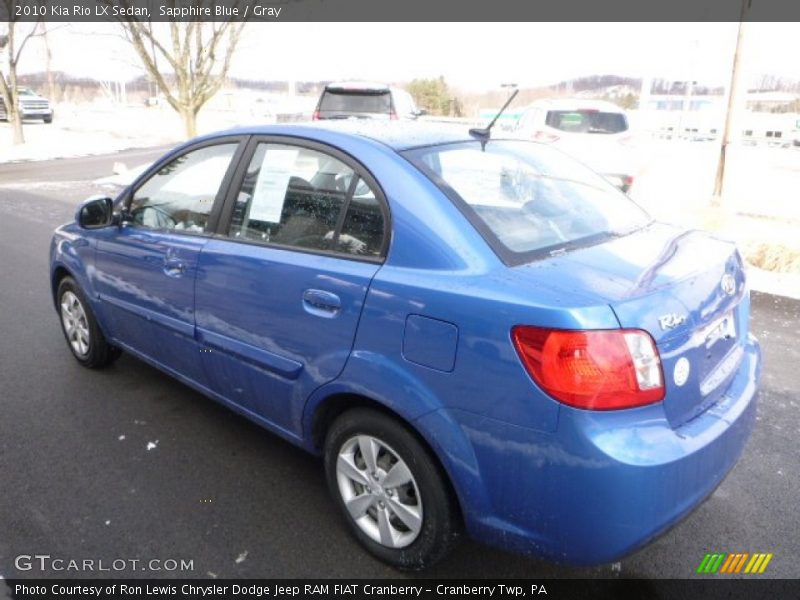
(174, 267)
(321, 303)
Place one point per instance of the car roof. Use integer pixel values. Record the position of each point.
(357, 86)
(575, 104)
(398, 135)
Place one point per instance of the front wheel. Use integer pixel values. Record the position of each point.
(83, 335)
(391, 492)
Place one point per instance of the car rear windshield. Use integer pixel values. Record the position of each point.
(341, 101)
(528, 199)
(587, 121)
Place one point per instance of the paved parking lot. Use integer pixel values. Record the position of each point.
(78, 480)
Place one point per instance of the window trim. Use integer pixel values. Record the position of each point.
(217, 206)
(224, 222)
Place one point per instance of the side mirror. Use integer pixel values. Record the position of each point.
(96, 212)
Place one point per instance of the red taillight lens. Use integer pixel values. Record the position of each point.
(544, 136)
(393, 116)
(598, 370)
(315, 116)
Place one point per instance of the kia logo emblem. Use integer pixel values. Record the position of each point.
(728, 284)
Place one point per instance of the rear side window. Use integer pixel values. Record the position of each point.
(306, 199)
(587, 121)
(404, 103)
(355, 102)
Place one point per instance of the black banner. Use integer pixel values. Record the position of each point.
(422, 589)
(401, 10)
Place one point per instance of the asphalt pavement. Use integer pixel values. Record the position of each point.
(127, 463)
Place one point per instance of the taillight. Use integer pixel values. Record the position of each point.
(544, 136)
(628, 181)
(597, 370)
(393, 116)
(315, 116)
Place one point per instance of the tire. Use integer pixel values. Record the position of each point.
(431, 523)
(48, 119)
(80, 328)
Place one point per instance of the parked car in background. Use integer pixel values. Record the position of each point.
(472, 333)
(31, 106)
(365, 100)
(595, 132)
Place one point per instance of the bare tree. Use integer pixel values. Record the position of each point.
(197, 54)
(48, 57)
(13, 42)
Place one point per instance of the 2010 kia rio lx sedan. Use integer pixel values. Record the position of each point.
(488, 337)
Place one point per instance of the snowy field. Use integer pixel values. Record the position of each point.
(78, 130)
(673, 179)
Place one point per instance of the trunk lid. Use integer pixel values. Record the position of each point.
(686, 288)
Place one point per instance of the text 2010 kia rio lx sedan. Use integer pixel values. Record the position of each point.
(488, 337)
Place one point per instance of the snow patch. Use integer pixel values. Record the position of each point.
(241, 558)
(152, 445)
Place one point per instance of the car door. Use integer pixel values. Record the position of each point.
(145, 268)
(280, 291)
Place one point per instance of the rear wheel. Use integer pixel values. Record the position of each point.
(390, 490)
(83, 335)
(48, 119)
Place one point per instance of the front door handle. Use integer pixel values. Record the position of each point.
(174, 267)
(321, 303)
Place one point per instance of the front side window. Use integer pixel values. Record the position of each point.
(181, 194)
(529, 198)
(302, 198)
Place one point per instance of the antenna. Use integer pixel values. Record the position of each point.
(483, 134)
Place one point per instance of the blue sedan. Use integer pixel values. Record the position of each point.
(476, 335)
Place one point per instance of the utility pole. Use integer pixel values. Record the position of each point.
(733, 98)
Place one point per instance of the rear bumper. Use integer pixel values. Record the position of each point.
(36, 113)
(605, 483)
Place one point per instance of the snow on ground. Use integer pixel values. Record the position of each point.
(99, 128)
(759, 210)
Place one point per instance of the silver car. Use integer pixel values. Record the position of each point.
(595, 132)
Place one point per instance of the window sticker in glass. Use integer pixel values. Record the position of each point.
(269, 192)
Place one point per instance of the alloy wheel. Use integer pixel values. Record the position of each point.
(379, 491)
(75, 323)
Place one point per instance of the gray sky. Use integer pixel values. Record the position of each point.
(472, 56)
